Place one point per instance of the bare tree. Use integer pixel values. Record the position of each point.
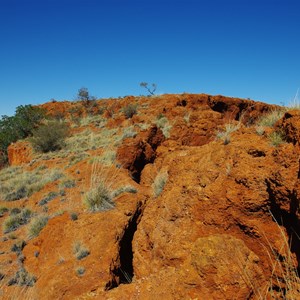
(150, 90)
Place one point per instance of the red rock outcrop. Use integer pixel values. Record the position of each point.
(222, 224)
(19, 153)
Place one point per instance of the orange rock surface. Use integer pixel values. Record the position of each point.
(210, 219)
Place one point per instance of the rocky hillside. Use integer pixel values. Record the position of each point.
(170, 197)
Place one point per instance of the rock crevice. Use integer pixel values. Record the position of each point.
(121, 269)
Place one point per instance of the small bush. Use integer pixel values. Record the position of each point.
(50, 136)
(48, 198)
(15, 211)
(3, 210)
(18, 247)
(19, 193)
(99, 198)
(276, 138)
(36, 225)
(130, 110)
(163, 123)
(68, 183)
(13, 222)
(226, 133)
(80, 251)
(128, 132)
(80, 271)
(22, 278)
(159, 183)
(73, 216)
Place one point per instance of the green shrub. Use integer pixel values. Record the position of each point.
(130, 110)
(13, 222)
(50, 136)
(36, 225)
(99, 198)
(18, 126)
(80, 251)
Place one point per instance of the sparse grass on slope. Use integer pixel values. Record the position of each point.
(17, 183)
(14, 221)
(225, 135)
(269, 119)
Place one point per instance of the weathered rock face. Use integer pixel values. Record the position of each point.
(136, 153)
(207, 231)
(19, 153)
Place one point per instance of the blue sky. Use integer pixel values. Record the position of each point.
(242, 48)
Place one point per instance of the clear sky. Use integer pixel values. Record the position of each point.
(243, 48)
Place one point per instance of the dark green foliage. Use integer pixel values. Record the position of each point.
(50, 136)
(18, 126)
